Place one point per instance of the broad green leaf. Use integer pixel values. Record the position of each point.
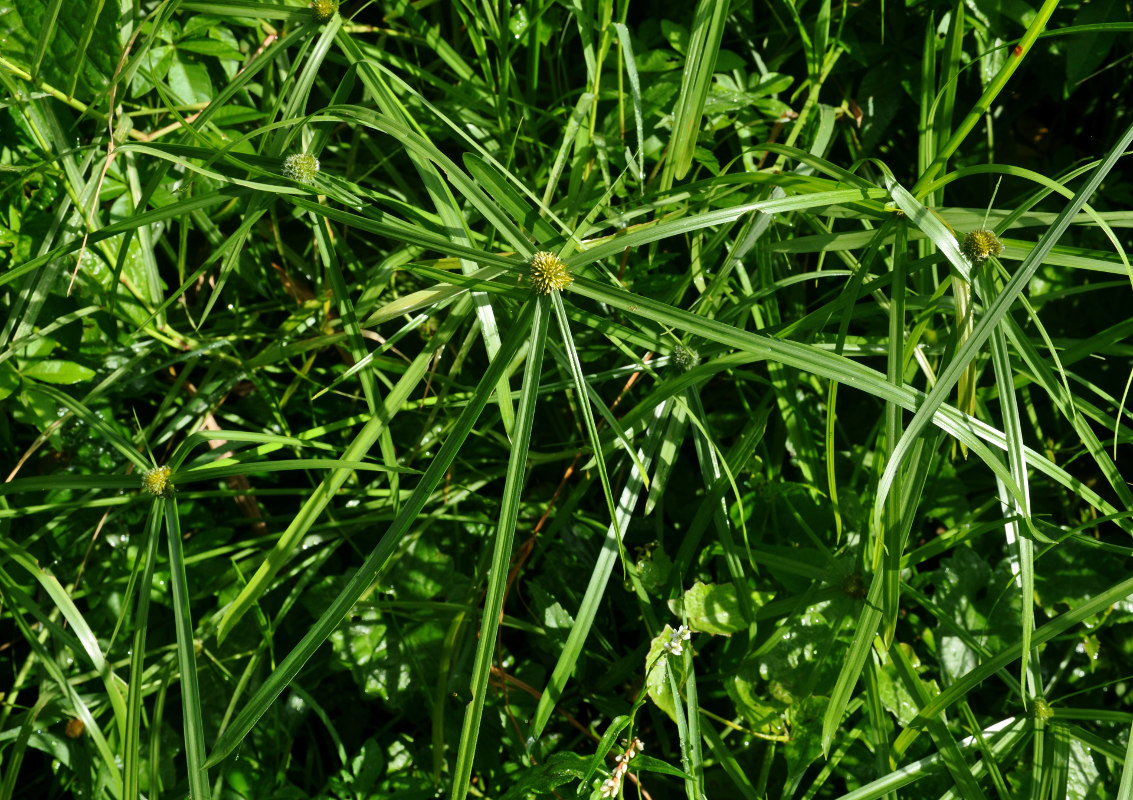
(715, 608)
(57, 371)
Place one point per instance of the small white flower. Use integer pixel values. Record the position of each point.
(675, 643)
(610, 787)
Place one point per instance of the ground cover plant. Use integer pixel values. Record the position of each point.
(565, 399)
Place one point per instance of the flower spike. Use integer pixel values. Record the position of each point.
(979, 245)
(157, 482)
(301, 167)
(549, 273)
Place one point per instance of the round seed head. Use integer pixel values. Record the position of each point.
(156, 482)
(301, 167)
(684, 358)
(979, 245)
(549, 273)
(1042, 709)
(324, 9)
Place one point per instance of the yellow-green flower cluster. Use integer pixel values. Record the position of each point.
(157, 482)
(324, 9)
(301, 167)
(549, 273)
(979, 245)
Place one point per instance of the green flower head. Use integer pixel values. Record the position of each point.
(157, 482)
(301, 167)
(684, 358)
(324, 9)
(979, 245)
(549, 273)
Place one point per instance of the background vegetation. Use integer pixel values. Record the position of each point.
(409, 527)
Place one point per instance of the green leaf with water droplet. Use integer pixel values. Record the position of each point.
(517, 23)
(52, 370)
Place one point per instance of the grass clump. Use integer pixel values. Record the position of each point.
(444, 524)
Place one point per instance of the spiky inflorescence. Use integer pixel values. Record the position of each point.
(324, 9)
(301, 167)
(979, 245)
(549, 273)
(684, 358)
(156, 481)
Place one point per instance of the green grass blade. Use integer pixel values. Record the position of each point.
(46, 33)
(199, 786)
(516, 200)
(946, 745)
(888, 557)
(635, 92)
(502, 549)
(1125, 790)
(684, 735)
(583, 394)
(696, 81)
(695, 746)
(728, 761)
(1018, 537)
(716, 470)
(581, 109)
(15, 754)
(346, 310)
(132, 748)
(854, 661)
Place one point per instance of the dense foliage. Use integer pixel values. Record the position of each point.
(546, 398)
